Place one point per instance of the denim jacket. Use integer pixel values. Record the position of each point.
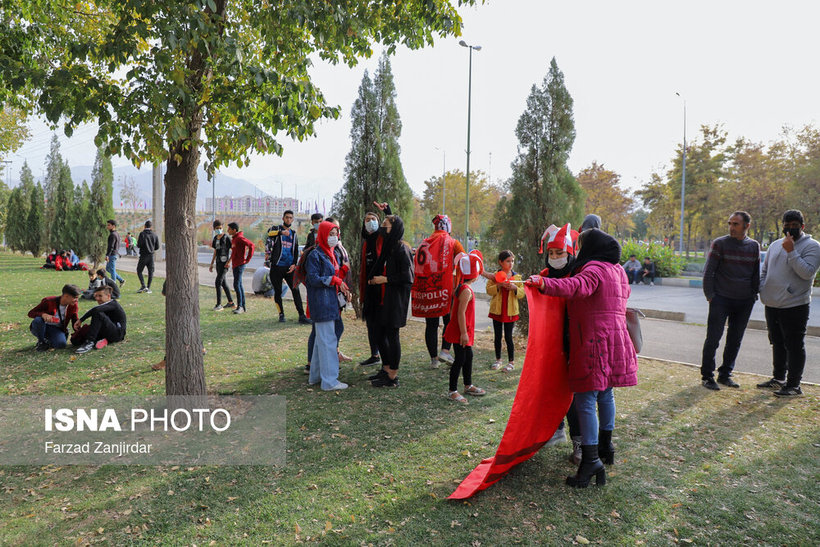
(324, 305)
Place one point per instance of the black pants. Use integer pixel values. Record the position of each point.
(508, 338)
(389, 345)
(787, 334)
(463, 364)
(572, 420)
(221, 283)
(721, 309)
(431, 335)
(372, 334)
(145, 262)
(644, 276)
(102, 327)
(277, 275)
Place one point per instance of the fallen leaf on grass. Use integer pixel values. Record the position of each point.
(582, 540)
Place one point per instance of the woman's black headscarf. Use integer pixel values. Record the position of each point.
(391, 242)
(597, 245)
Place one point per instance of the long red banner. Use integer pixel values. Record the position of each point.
(542, 399)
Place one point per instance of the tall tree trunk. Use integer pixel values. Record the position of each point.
(185, 372)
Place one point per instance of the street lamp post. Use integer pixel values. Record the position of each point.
(683, 175)
(443, 178)
(462, 43)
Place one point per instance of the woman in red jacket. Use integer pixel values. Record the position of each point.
(601, 353)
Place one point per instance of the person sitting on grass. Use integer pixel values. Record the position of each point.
(107, 281)
(52, 317)
(94, 281)
(107, 322)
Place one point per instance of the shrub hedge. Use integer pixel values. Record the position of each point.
(667, 264)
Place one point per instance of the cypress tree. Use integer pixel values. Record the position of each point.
(59, 233)
(18, 206)
(373, 170)
(35, 224)
(54, 167)
(100, 207)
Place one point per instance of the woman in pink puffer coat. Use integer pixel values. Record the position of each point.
(601, 354)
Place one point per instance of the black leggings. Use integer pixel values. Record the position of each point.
(221, 283)
(508, 338)
(572, 420)
(463, 363)
(372, 334)
(143, 262)
(389, 346)
(431, 335)
(278, 274)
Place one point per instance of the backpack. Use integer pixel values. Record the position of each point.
(300, 273)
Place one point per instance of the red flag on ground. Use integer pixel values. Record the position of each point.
(542, 399)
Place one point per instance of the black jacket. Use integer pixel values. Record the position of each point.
(114, 312)
(148, 242)
(311, 238)
(113, 244)
(115, 289)
(399, 272)
(273, 245)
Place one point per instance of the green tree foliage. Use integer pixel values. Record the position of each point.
(13, 131)
(606, 198)
(168, 80)
(18, 207)
(543, 191)
(77, 231)
(35, 222)
(51, 183)
(100, 207)
(373, 170)
(484, 198)
(59, 232)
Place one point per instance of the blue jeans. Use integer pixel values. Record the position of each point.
(338, 327)
(238, 288)
(52, 334)
(591, 421)
(111, 268)
(721, 309)
(324, 364)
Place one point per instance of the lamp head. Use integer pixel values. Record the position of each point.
(477, 48)
(462, 43)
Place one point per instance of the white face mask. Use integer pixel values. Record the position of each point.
(557, 263)
(371, 226)
(218, 231)
(332, 241)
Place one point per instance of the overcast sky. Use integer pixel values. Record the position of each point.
(751, 66)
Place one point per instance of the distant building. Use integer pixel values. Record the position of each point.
(251, 205)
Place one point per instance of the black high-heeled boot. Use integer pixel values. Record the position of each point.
(590, 465)
(606, 450)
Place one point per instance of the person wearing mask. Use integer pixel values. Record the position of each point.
(789, 269)
(222, 254)
(148, 244)
(315, 219)
(370, 295)
(731, 279)
(52, 316)
(282, 255)
(392, 273)
(107, 323)
(324, 282)
(241, 253)
(434, 268)
(604, 357)
(112, 252)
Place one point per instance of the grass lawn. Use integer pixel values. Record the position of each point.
(373, 466)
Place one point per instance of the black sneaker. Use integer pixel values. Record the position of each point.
(307, 369)
(385, 381)
(372, 360)
(303, 320)
(711, 384)
(42, 346)
(281, 317)
(787, 391)
(85, 348)
(380, 374)
(771, 384)
(122, 282)
(728, 382)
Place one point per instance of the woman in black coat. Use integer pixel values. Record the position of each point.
(393, 274)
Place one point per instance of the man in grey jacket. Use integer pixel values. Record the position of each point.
(785, 288)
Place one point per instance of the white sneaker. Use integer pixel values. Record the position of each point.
(339, 386)
(651, 283)
(218, 308)
(434, 362)
(558, 437)
(445, 357)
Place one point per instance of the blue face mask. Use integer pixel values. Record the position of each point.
(218, 231)
(316, 226)
(371, 226)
